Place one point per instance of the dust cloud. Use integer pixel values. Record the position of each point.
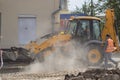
(66, 58)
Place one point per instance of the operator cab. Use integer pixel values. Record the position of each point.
(84, 28)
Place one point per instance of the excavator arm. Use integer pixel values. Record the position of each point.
(37, 48)
(109, 27)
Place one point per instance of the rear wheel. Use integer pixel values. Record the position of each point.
(94, 55)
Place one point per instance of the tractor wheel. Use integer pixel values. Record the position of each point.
(94, 55)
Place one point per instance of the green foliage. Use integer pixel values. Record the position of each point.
(100, 7)
(77, 11)
(86, 9)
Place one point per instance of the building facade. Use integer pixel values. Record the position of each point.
(25, 20)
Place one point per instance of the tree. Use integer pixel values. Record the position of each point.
(87, 8)
(76, 11)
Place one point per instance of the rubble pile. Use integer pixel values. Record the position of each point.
(95, 74)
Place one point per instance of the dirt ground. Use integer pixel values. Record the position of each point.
(95, 73)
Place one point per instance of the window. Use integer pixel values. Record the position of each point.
(72, 27)
(84, 29)
(96, 29)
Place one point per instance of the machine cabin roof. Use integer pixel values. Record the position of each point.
(84, 17)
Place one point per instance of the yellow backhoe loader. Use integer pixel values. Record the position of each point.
(84, 30)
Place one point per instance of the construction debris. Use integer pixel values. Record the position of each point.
(95, 74)
(90, 74)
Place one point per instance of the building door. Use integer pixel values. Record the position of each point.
(27, 29)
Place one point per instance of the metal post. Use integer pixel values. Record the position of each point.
(92, 8)
(53, 16)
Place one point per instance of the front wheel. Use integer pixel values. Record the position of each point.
(94, 55)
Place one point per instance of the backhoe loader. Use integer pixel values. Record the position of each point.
(91, 35)
(84, 30)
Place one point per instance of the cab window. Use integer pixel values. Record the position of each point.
(72, 27)
(84, 29)
(96, 29)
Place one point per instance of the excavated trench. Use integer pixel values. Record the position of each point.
(95, 74)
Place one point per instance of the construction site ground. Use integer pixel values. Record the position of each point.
(16, 72)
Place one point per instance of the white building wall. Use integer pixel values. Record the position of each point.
(11, 9)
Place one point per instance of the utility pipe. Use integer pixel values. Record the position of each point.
(53, 15)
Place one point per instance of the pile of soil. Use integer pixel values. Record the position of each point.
(95, 74)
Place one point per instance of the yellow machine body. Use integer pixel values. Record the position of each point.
(37, 48)
(65, 37)
(109, 27)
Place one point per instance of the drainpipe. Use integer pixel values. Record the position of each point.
(53, 17)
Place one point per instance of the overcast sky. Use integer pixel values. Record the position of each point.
(73, 3)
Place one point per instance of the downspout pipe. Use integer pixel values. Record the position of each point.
(53, 17)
